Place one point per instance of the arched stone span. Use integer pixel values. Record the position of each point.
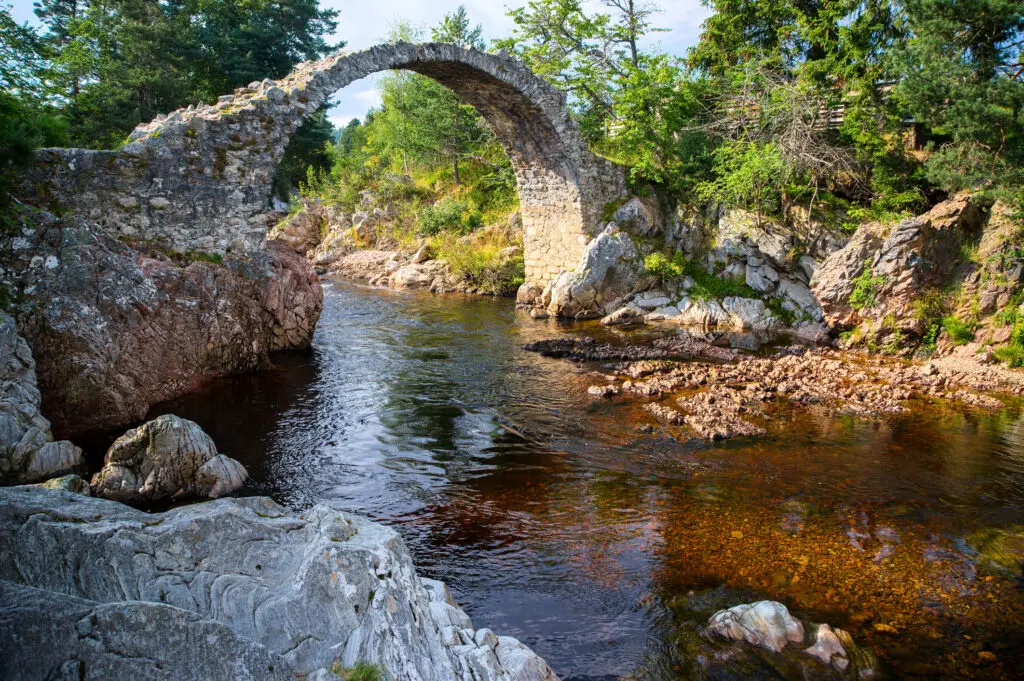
(200, 178)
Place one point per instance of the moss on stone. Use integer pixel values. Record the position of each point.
(220, 162)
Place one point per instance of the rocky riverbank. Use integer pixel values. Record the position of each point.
(725, 393)
(116, 327)
(236, 588)
(362, 247)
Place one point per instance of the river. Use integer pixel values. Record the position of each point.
(555, 519)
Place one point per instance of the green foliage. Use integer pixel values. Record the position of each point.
(24, 126)
(307, 150)
(707, 286)
(895, 343)
(112, 64)
(483, 259)
(788, 317)
(959, 331)
(960, 69)
(202, 256)
(361, 672)
(27, 121)
(636, 107)
(866, 287)
(449, 214)
(423, 125)
(930, 339)
(658, 265)
(455, 29)
(1013, 352)
(746, 174)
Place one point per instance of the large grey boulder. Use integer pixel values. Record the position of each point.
(46, 635)
(27, 450)
(608, 271)
(749, 314)
(703, 313)
(168, 457)
(905, 259)
(116, 327)
(639, 216)
(316, 589)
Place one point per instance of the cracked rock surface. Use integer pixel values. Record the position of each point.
(117, 327)
(27, 450)
(310, 589)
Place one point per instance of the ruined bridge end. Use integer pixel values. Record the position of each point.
(199, 179)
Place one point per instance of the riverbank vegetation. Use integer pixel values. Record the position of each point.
(877, 106)
(843, 112)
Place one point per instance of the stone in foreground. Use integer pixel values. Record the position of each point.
(50, 635)
(27, 452)
(312, 590)
(765, 623)
(168, 457)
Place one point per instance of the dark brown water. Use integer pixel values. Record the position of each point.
(555, 520)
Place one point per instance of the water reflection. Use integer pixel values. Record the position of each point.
(556, 521)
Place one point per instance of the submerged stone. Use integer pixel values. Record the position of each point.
(766, 624)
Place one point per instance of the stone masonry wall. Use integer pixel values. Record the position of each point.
(200, 178)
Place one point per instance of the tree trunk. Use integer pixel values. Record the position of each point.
(455, 168)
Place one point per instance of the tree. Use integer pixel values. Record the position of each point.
(634, 107)
(70, 56)
(587, 55)
(237, 42)
(26, 122)
(117, 63)
(422, 123)
(742, 30)
(962, 75)
(455, 29)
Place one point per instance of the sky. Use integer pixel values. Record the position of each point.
(364, 23)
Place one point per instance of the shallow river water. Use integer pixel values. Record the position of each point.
(555, 519)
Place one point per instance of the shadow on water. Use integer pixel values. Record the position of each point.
(555, 520)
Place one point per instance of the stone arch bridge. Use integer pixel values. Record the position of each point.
(200, 179)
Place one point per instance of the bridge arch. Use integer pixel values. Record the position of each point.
(199, 179)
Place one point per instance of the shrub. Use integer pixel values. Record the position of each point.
(1013, 352)
(707, 286)
(361, 672)
(931, 337)
(787, 317)
(658, 265)
(960, 332)
(478, 260)
(866, 288)
(1012, 355)
(449, 214)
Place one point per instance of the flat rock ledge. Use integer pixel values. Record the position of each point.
(229, 589)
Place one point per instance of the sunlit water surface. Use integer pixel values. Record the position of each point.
(555, 520)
